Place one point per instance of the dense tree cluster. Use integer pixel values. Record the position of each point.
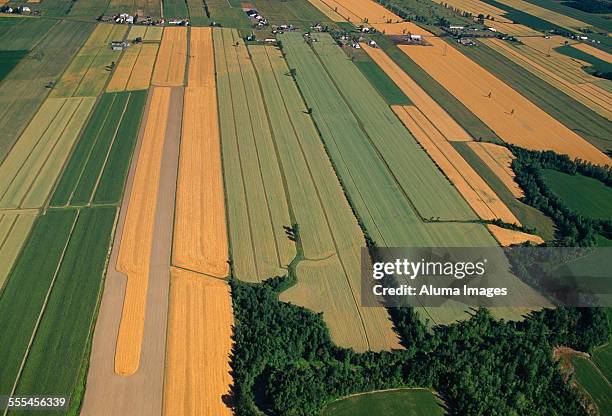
(572, 229)
(591, 6)
(285, 363)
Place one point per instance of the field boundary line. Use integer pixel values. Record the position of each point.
(43, 307)
(5, 238)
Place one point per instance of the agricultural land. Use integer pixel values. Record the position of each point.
(194, 195)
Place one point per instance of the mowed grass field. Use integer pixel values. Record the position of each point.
(87, 74)
(586, 196)
(63, 288)
(23, 89)
(29, 172)
(96, 173)
(405, 402)
(572, 113)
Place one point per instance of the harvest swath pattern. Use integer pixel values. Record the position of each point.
(30, 170)
(514, 118)
(258, 209)
(171, 58)
(199, 346)
(137, 238)
(96, 173)
(88, 71)
(23, 90)
(200, 242)
(381, 204)
(330, 238)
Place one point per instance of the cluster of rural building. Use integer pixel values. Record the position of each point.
(126, 18)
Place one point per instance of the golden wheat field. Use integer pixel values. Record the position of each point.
(498, 159)
(199, 346)
(510, 115)
(546, 14)
(507, 237)
(201, 61)
(401, 28)
(137, 239)
(172, 57)
(327, 11)
(476, 7)
(362, 11)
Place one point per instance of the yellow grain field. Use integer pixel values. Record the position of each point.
(15, 227)
(432, 110)
(122, 73)
(135, 68)
(597, 53)
(558, 70)
(199, 346)
(476, 7)
(154, 34)
(513, 29)
(201, 62)
(327, 11)
(510, 115)
(483, 200)
(137, 238)
(362, 11)
(507, 237)
(499, 160)
(546, 14)
(171, 61)
(402, 28)
(137, 32)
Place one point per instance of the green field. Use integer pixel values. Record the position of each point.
(23, 90)
(64, 331)
(101, 157)
(22, 33)
(88, 8)
(15, 227)
(466, 119)
(9, 60)
(406, 402)
(519, 16)
(141, 7)
(591, 379)
(392, 94)
(602, 355)
(598, 21)
(34, 272)
(48, 8)
(528, 215)
(586, 196)
(297, 12)
(175, 8)
(576, 116)
(222, 12)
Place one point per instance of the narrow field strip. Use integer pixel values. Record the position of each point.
(14, 230)
(29, 172)
(200, 233)
(172, 58)
(123, 70)
(199, 346)
(135, 68)
(360, 11)
(87, 73)
(498, 159)
(472, 187)
(257, 205)
(333, 15)
(507, 237)
(513, 118)
(50, 235)
(327, 224)
(431, 109)
(68, 319)
(137, 239)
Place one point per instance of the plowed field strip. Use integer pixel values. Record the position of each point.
(137, 239)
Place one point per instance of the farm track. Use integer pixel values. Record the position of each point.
(141, 393)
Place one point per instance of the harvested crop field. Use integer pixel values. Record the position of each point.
(598, 53)
(499, 160)
(89, 70)
(507, 237)
(200, 242)
(172, 58)
(360, 11)
(546, 14)
(15, 227)
(401, 28)
(562, 72)
(137, 239)
(96, 172)
(257, 208)
(29, 172)
(23, 90)
(513, 118)
(333, 15)
(513, 29)
(135, 68)
(476, 7)
(141, 393)
(472, 187)
(199, 346)
(432, 110)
